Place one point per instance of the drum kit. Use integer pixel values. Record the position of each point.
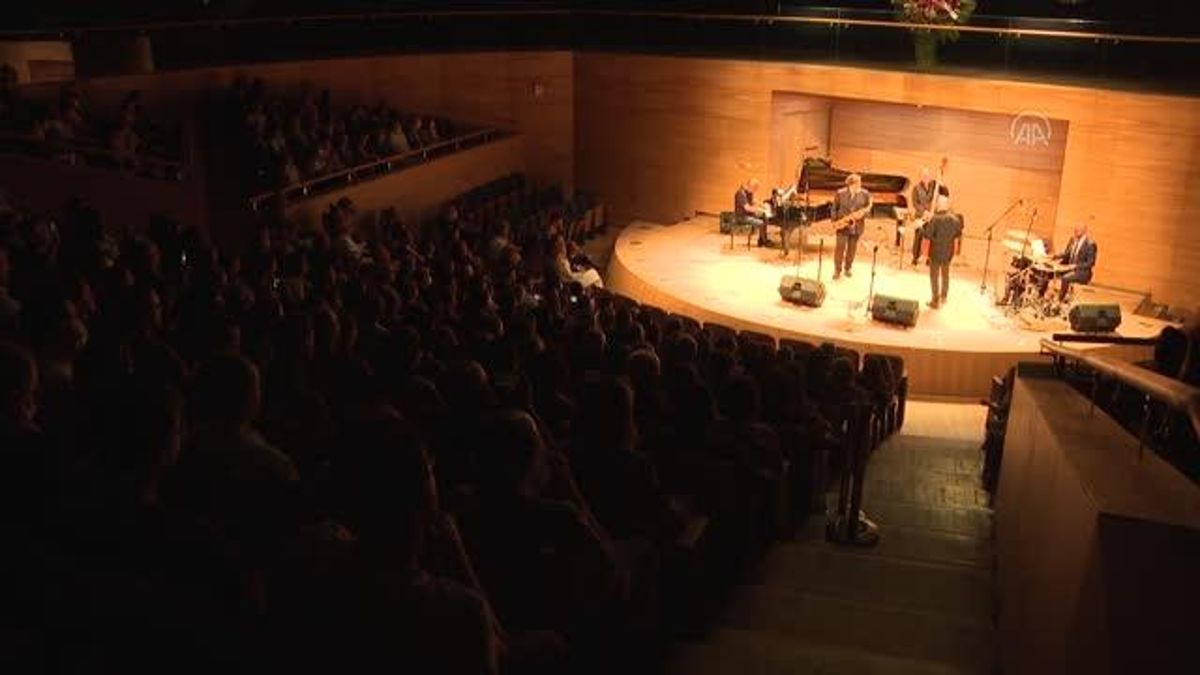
(1032, 289)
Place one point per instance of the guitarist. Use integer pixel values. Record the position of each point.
(851, 205)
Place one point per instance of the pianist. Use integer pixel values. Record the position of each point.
(748, 212)
(1080, 257)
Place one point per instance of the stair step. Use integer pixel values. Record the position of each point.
(908, 543)
(961, 591)
(965, 521)
(855, 624)
(743, 652)
(929, 490)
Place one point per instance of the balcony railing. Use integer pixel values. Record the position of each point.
(1151, 386)
(373, 169)
(77, 153)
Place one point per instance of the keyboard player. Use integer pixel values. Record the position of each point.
(747, 211)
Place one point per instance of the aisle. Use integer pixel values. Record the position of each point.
(919, 602)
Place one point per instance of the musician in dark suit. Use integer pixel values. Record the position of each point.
(1080, 256)
(943, 231)
(922, 207)
(747, 211)
(848, 200)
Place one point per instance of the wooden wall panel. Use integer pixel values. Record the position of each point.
(125, 201)
(663, 137)
(986, 170)
(797, 122)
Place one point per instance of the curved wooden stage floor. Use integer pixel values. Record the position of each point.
(689, 268)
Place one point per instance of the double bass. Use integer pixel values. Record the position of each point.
(918, 222)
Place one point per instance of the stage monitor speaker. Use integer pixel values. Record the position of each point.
(895, 310)
(1089, 318)
(809, 292)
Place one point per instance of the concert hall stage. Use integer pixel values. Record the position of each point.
(690, 268)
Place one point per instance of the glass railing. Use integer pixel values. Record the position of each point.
(1047, 49)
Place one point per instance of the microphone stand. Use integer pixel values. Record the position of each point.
(802, 225)
(1028, 229)
(871, 290)
(987, 256)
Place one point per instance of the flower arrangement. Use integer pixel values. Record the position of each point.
(935, 13)
(932, 13)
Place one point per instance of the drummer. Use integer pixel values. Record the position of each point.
(1079, 256)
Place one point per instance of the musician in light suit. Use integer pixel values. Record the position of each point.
(1080, 256)
(848, 200)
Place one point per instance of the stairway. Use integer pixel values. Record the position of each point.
(920, 602)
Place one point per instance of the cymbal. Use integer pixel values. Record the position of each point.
(1016, 246)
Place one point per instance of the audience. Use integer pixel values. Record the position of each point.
(290, 140)
(282, 443)
(70, 130)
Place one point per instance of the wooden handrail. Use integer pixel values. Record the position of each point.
(834, 22)
(880, 23)
(1174, 393)
(304, 186)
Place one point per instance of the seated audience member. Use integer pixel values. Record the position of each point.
(10, 102)
(287, 171)
(548, 378)
(54, 326)
(841, 394)
(18, 405)
(878, 382)
(541, 562)
(340, 224)
(31, 467)
(396, 139)
(568, 271)
(619, 483)
(385, 606)
(413, 131)
(1171, 352)
(125, 145)
(739, 435)
(10, 307)
(225, 446)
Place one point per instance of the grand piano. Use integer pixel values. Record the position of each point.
(811, 201)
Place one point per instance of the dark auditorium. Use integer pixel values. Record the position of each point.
(600, 337)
